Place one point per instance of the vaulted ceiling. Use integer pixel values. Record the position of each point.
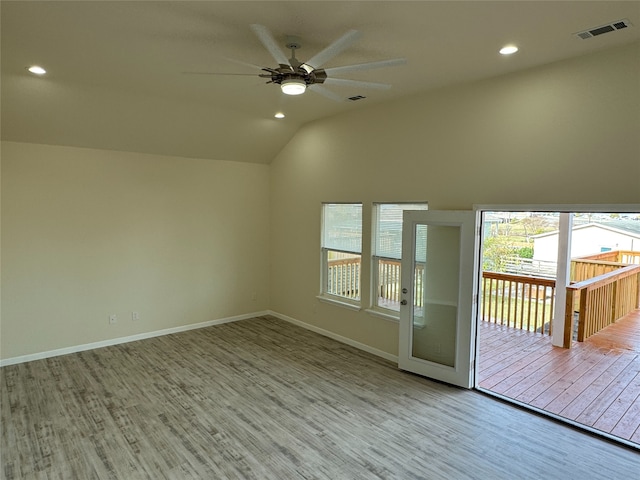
(116, 69)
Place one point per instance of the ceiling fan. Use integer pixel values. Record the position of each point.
(294, 76)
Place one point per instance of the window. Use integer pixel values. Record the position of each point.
(387, 254)
(341, 251)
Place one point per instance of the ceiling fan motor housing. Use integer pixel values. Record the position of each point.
(286, 72)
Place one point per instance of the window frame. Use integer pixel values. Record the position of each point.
(325, 295)
(375, 308)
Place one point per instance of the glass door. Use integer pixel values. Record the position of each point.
(438, 304)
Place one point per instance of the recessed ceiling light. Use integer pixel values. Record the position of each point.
(508, 49)
(36, 70)
(279, 115)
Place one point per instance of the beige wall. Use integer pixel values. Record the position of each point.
(564, 133)
(88, 233)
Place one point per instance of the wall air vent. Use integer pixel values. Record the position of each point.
(611, 27)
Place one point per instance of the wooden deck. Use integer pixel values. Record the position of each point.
(595, 383)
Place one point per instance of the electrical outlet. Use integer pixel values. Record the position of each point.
(135, 316)
(113, 319)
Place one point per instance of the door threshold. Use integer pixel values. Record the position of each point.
(558, 418)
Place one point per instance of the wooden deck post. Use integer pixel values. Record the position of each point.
(585, 312)
(568, 319)
(614, 302)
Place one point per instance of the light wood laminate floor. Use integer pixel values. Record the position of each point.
(264, 399)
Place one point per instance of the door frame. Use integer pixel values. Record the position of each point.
(565, 242)
(462, 373)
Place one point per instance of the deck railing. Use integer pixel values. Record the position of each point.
(602, 300)
(389, 279)
(603, 291)
(518, 301)
(589, 266)
(344, 277)
(344, 280)
(388, 287)
(630, 257)
(515, 300)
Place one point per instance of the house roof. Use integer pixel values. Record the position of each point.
(623, 227)
(115, 69)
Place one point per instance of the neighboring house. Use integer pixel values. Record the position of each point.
(587, 240)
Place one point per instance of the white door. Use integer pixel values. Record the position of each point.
(438, 304)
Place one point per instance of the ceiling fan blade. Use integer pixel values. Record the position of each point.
(319, 89)
(220, 73)
(240, 62)
(355, 83)
(334, 49)
(365, 66)
(264, 35)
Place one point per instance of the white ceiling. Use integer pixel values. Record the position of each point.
(116, 68)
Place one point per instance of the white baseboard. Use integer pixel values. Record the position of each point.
(335, 336)
(131, 338)
(184, 328)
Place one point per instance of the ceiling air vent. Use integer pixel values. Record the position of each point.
(611, 27)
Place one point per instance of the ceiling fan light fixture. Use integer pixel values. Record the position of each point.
(293, 86)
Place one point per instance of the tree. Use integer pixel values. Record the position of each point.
(534, 225)
(525, 252)
(495, 253)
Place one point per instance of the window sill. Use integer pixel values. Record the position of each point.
(387, 316)
(332, 301)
